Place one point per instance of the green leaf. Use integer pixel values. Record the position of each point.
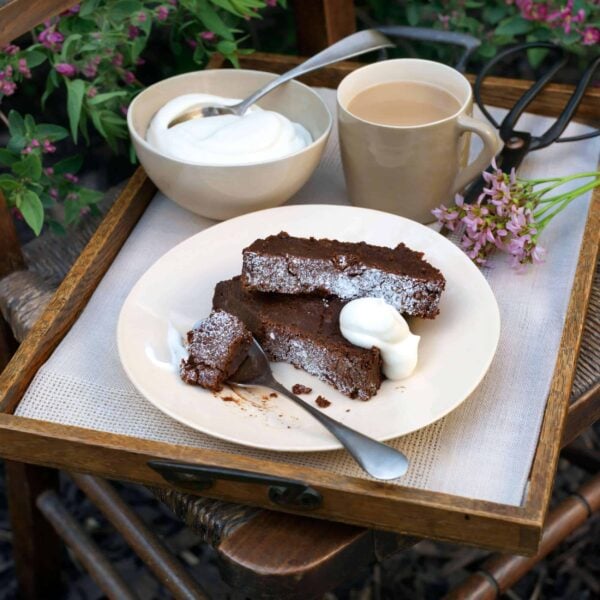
(29, 126)
(536, 56)
(51, 85)
(412, 14)
(16, 124)
(88, 7)
(34, 58)
(101, 98)
(56, 228)
(54, 133)
(516, 25)
(47, 200)
(29, 167)
(16, 143)
(8, 183)
(7, 158)
(72, 211)
(72, 164)
(75, 93)
(31, 207)
(124, 9)
(66, 53)
(212, 20)
(226, 48)
(487, 50)
(97, 121)
(493, 14)
(88, 196)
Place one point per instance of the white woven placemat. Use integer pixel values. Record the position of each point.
(482, 450)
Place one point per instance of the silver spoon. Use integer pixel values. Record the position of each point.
(353, 45)
(377, 459)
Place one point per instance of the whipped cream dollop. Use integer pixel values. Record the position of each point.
(368, 322)
(258, 136)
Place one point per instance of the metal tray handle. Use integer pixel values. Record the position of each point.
(282, 491)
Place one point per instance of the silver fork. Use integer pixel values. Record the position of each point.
(377, 459)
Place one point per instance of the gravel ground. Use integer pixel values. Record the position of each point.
(426, 572)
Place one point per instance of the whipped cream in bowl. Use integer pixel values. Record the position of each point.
(372, 322)
(257, 136)
(226, 166)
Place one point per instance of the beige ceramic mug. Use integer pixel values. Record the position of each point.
(410, 170)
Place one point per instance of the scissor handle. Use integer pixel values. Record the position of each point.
(552, 135)
(508, 124)
(468, 42)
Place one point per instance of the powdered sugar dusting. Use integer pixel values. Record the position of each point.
(343, 278)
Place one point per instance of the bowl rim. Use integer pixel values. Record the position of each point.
(140, 140)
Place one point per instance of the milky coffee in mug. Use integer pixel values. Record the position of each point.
(402, 127)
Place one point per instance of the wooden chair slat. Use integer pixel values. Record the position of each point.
(20, 16)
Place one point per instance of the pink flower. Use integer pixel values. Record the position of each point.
(142, 17)
(51, 39)
(92, 91)
(162, 13)
(23, 68)
(48, 147)
(134, 32)
(501, 219)
(128, 77)
(533, 11)
(124, 110)
(590, 36)
(53, 193)
(90, 70)
(8, 88)
(565, 18)
(208, 36)
(191, 43)
(271, 3)
(11, 49)
(66, 69)
(49, 171)
(72, 178)
(117, 59)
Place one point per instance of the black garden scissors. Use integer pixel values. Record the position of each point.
(518, 143)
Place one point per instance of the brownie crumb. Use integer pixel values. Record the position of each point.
(298, 388)
(272, 395)
(228, 399)
(322, 402)
(347, 410)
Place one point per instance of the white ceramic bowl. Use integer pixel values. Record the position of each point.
(221, 192)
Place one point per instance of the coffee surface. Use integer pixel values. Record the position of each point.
(403, 103)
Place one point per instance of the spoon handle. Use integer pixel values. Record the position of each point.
(377, 459)
(353, 45)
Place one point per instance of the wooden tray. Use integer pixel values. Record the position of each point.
(275, 485)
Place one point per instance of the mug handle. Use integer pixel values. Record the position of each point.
(490, 141)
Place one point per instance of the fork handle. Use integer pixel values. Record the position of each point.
(377, 459)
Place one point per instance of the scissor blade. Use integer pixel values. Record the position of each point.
(509, 158)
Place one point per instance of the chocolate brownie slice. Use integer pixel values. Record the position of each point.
(291, 265)
(216, 349)
(304, 331)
